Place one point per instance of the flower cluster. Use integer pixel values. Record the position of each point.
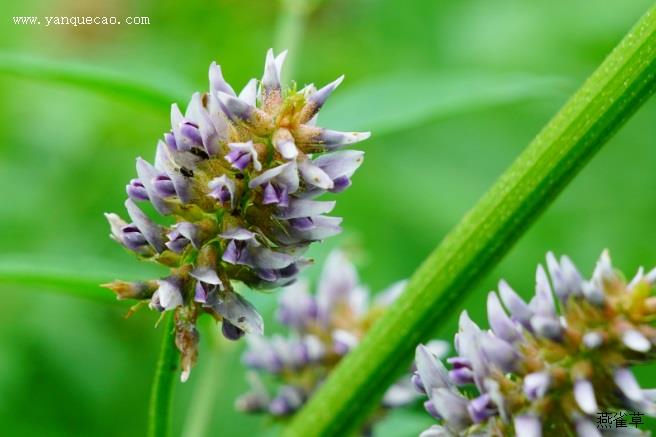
(237, 176)
(324, 327)
(549, 366)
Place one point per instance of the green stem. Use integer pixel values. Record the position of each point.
(208, 385)
(596, 111)
(159, 412)
(290, 28)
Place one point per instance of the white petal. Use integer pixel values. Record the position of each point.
(386, 297)
(586, 428)
(305, 208)
(543, 302)
(636, 341)
(628, 384)
(593, 340)
(313, 175)
(237, 234)
(217, 82)
(585, 396)
(519, 310)
(169, 294)
(337, 279)
(249, 93)
(239, 312)
(151, 231)
(205, 274)
(431, 370)
(342, 163)
(528, 425)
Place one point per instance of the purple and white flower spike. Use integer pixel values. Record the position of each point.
(250, 162)
(323, 327)
(547, 367)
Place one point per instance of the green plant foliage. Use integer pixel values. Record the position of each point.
(73, 366)
(624, 81)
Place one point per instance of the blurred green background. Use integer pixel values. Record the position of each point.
(452, 90)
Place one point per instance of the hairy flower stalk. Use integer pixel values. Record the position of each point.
(324, 327)
(549, 366)
(237, 175)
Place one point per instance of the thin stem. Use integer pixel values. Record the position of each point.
(608, 98)
(199, 413)
(290, 29)
(159, 412)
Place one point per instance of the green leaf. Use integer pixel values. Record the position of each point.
(100, 80)
(622, 83)
(69, 282)
(397, 102)
(75, 277)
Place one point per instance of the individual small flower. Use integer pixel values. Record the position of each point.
(323, 327)
(236, 176)
(549, 366)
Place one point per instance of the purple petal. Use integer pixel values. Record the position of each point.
(152, 232)
(230, 331)
(519, 310)
(164, 186)
(462, 376)
(169, 138)
(200, 295)
(499, 320)
(242, 154)
(302, 223)
(536, 384)
(132, 238)
(500, 353)
(318, 98)
(136, 190)
(191, 133)
(217, 82)
(165, 161)
(480, 408)
(222, 189)
(340, 184)
(147, 174)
